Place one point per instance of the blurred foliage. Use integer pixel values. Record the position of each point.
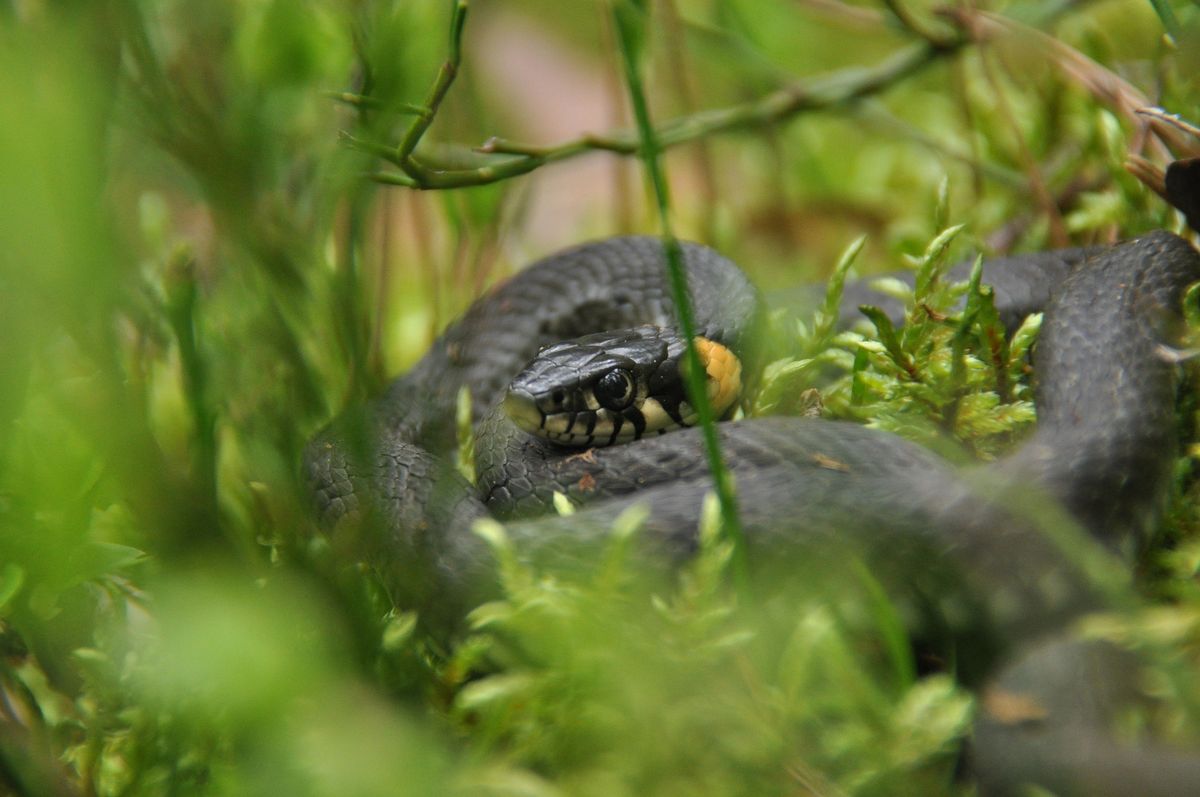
(195, 275)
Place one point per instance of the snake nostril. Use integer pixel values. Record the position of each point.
(558, 397)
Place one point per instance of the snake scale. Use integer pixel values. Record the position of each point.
(1103, 453)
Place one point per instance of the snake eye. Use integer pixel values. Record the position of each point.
(614, 390)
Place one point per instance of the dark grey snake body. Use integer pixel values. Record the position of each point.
(1103, 452)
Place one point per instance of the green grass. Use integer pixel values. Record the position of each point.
(197, 272)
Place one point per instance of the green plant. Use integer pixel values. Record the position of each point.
(202, 261)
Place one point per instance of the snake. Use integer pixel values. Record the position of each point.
(556, 412)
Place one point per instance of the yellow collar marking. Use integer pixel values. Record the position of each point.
(724, 371)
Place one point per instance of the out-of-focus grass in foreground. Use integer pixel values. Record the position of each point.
(195, 275)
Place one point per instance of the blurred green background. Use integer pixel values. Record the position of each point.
(196, 273)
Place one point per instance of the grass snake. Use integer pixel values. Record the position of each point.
(1103, 453)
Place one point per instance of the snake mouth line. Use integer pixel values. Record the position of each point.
(600, 427)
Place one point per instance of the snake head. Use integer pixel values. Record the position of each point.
(616, 386)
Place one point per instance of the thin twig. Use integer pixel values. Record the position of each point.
(861, 17)
(881, 119)
(376, 104)
(779, 106)
(1181, 136)
(918, 29)
(441, 85)
(1033, 172)
(1104, 84)
(1148, 173)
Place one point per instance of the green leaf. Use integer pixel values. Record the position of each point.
(485, 694)
(1167, 16)
(97, 559)
(562, 504)
(992, 337)
(12, 578)
(858, 388)
(780, 381)
(1020, 344)
(398, 631)
(827, 317)
(934, 715)
(941, 207)
(509, 782)
(889, 338)
(933, 261)
(465, 434)
(889, 624)
(1191, 306)
(631, 25)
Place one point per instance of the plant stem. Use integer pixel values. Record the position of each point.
(628, 21)
(441, 85)
(376, 104)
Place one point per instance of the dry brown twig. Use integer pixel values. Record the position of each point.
(501, 159)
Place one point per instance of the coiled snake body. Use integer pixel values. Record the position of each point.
(1103, 452)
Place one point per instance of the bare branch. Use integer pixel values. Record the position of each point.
(441, 85)
(428, 171)
(837, 90)
(376, 104)
(918, 29)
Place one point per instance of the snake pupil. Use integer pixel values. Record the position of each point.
(614, 390)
